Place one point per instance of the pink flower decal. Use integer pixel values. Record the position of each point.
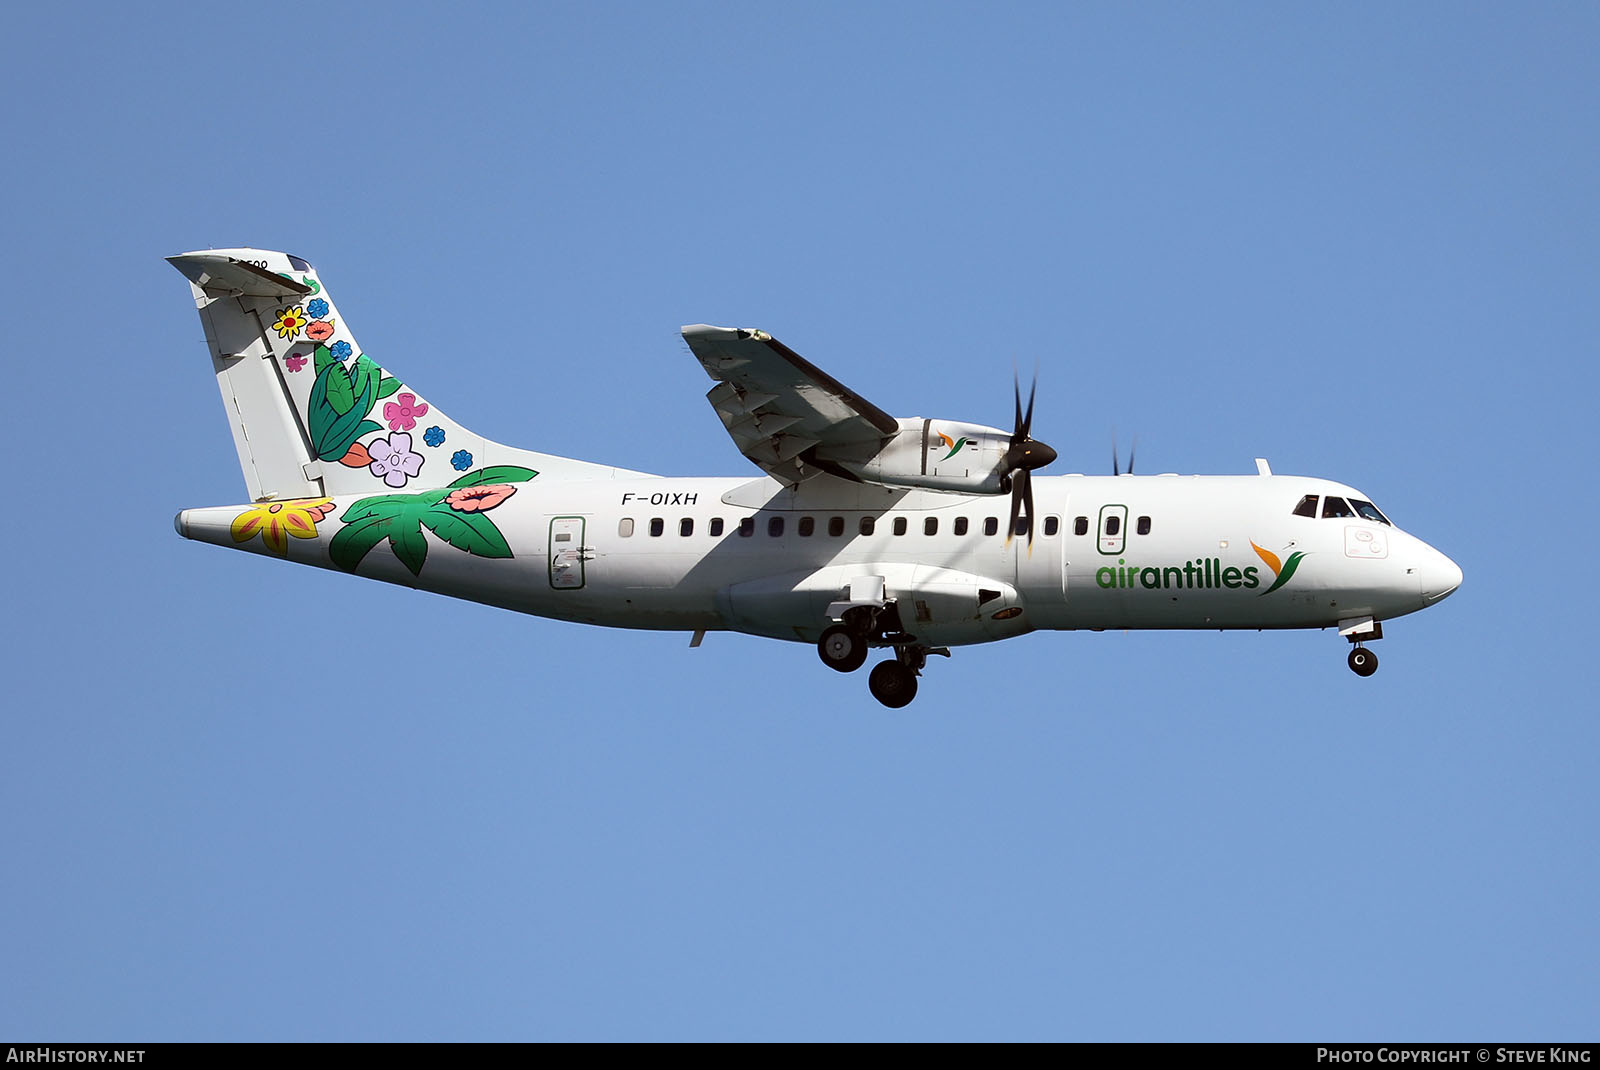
(295, 362)
(479, 499)
(403, 412)
(393, 459)
(320, 331)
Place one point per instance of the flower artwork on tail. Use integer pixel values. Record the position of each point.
(454, 513)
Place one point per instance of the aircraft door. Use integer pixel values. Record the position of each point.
(567, 553)
(1113, 528)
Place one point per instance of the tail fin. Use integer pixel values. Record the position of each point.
(311, 414)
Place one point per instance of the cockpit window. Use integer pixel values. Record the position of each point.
(1335, 507)
(1368, 511)
(1307, 506)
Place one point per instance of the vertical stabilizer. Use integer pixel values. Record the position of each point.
(311, 413)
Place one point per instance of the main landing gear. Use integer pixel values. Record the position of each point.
(844, 646)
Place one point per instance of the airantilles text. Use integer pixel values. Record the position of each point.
(1207, 572)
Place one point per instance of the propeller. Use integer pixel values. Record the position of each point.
(1023, 455)
(1132, 449)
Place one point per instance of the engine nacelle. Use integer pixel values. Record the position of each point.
(939, 455)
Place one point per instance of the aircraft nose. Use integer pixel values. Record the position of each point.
(1439, 576)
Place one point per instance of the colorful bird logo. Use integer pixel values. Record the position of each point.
(1281, 569)
(954, 444)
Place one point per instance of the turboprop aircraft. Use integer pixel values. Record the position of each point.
(864, 531)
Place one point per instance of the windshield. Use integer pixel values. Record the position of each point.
(1368, 511)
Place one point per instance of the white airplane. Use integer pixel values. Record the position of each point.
(910, 535)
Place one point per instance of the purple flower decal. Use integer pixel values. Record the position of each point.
(393, 460)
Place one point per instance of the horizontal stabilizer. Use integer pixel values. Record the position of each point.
(218, 271)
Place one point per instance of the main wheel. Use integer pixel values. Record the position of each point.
(892, 684)
(1363, 662)
(842, 649)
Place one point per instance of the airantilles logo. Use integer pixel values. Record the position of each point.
(1204, 573)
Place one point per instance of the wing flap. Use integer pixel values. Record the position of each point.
(778, 406)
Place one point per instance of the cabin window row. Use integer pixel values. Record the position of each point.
(807, 526)
(1080, 526)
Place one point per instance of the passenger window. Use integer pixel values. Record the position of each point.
(1368, 511)
(1335, 507)
(961, 525)
(991, 526)
(1144, 525)
(657, 526)
(1307, 506)
(775, 526)
(625, 527)
(1022, 525)
(930, 526)
(899, 525)
(1052, 524)
(716, 526)
(807, 526)
(1080, 526)
(747, 526)
(686, 527)
(1113, 525)
(835, 526)
(869, 524)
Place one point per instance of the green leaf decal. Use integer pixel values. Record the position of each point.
(472, 532)
(387, 386)
(364, 375)
(340, 395)
(354, 541)
(411, 547)
(321, 357)
(498, 473)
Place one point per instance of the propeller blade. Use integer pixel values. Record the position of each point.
(1027, 502)
(1027, 421)
(1018, 482)
(1132, 449)
(1016, 388)
(1116, 469)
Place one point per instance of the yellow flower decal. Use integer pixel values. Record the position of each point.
(276, 521)
(290, 322)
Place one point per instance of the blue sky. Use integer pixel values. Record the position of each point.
(1359, 240)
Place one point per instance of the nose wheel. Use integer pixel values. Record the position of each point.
(1363, 662)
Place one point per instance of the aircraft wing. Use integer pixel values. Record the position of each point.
(782, 410)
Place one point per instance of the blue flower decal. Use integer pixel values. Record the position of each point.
(462, 460)
(340, 350)
(317, 309)
(434, 436)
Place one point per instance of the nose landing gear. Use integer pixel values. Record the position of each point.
(1363, 662)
